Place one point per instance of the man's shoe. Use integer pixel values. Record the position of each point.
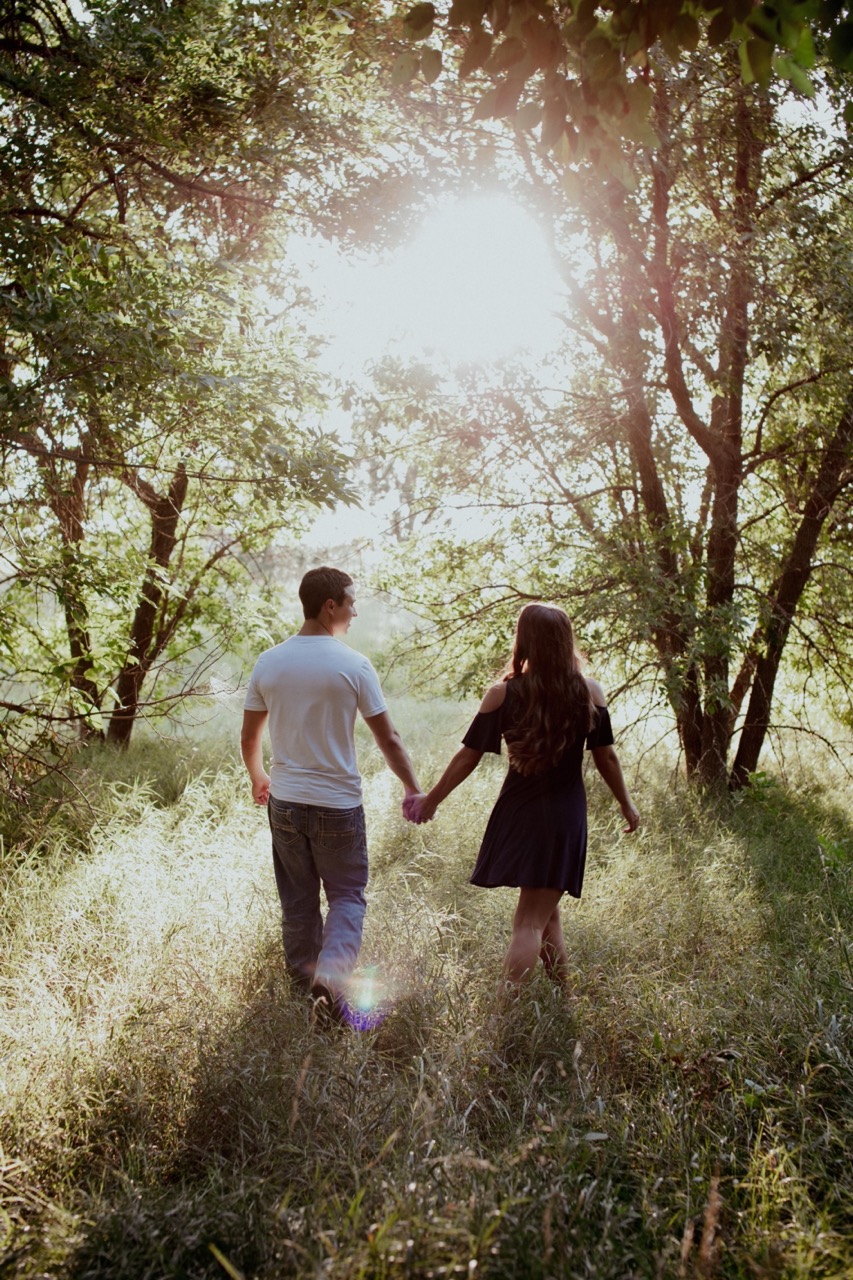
(327, 1009)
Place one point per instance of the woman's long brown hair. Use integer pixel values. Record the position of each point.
(557, 705)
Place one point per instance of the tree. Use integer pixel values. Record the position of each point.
(154, 432)
(688, 494)
(582, 73)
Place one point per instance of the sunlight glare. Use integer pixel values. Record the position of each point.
(475, 284)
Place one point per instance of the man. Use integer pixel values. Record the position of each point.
(310, 688)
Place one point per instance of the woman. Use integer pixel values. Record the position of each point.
(535, 839)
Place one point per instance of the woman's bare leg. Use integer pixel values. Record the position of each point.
(553, 954)
(533, 915)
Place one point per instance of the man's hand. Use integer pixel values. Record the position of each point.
(251, 736)
(417, 808)
(261, 790)
(410, 806)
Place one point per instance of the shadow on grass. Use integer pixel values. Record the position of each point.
(259, 1153)
(598, 1140)
(798, 843)
(424, 1144)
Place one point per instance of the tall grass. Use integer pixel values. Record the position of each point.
(168, 1110)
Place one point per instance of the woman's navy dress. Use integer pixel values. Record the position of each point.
(536, 834)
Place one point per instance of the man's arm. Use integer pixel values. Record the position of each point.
(251, 737)
(396, 756)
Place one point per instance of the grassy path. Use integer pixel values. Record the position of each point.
(167, 1111)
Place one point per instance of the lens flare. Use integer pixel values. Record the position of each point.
(368, 1000)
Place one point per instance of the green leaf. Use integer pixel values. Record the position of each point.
(585, 18)
(601, 58)
(804, 53)
(508, 94)
(746, 73)
(500, 12)
(635, 44)
(431, 64)
(554, 122)
(467, 13)
(795, 74)
(542, 43)
(506, 55)
(60, 669)
(789, 34)
(405, 67)
(841, 46)
(613, 162)
(720, 28)
(760, 55)
(474, 57)
(686, 30)
(764, 23)
(636, 125)
(487, 107)
(528, 116)
(640, 96)
(418, 22)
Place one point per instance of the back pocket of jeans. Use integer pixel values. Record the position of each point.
(281, 822)
(338, 830)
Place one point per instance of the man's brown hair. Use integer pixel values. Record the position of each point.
(320, 585)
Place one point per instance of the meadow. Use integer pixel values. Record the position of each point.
(168, 1110)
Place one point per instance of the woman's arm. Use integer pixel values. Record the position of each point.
(423, 808)
(607, 764)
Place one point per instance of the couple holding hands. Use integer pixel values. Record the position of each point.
(309, 690)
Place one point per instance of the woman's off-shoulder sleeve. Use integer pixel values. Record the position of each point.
(601, 733)
(485, 732)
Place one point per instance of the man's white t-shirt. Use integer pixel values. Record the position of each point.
(313, 687)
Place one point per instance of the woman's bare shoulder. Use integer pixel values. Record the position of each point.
(596, 691)
(494, 697)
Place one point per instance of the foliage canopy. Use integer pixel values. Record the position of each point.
(158, 423)
(681, 475)
(581, 73)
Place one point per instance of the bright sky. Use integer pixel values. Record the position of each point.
(475, 284)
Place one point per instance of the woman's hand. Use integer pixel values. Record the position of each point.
(419, 808)
(631, 814)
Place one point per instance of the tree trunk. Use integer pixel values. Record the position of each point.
(165, 513)
(80, 647)
(726, 458)
(68, 505)
(786, 594)
(722, 549)
(688, 718)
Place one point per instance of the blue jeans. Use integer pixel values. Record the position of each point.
(313, 845)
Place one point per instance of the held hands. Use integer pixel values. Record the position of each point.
(417, 808)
